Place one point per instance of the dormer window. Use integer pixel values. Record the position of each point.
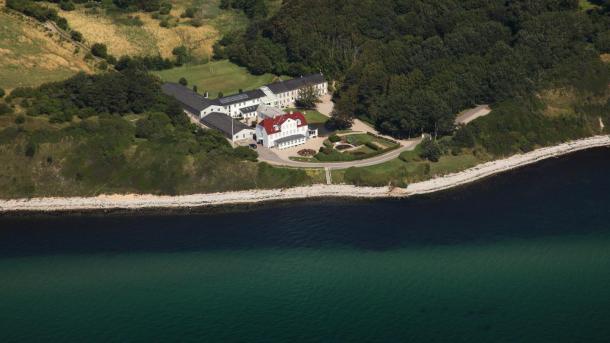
(276, 128)
(298, 122)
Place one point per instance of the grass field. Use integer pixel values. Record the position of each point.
(29, 56)
(218, 76)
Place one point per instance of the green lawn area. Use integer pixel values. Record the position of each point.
(218, 76)
(407, 169)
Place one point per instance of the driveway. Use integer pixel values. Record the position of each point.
(326, 105)
(472, 114)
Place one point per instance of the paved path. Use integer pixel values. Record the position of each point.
(267, 155)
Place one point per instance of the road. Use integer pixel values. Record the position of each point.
(267, 155)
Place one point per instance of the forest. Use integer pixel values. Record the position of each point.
(409, 66)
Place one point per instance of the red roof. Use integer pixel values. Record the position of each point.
(271, 123)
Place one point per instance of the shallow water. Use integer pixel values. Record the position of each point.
(520, 257)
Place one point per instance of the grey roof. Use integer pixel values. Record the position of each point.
(289, 139)
(191, 101)
(241, 97)
(222, 123)
(296, 83)
(248, 109)
(269, 111)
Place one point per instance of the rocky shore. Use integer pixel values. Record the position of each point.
(147, 201)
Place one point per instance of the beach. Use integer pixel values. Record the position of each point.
(148, 201)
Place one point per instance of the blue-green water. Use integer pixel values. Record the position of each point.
(522, 257)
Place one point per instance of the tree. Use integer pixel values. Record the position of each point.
(195, 88)
(308, 97)
(182, 55)
(77, 36)
(2, 93)
(183, 81)
(430, 150)
(100, 50)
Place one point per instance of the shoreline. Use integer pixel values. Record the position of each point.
(148, 201)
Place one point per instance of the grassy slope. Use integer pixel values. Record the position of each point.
(151, 39)
(219, 76)
(30, 56)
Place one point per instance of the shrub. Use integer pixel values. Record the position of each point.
(183, 81)
(103, 65)
(67, 5)
(189, 12)
(20, 120)
(334, 138)
(165, 8)
(197, 22)
(30, 149)
(372, 145)
(99, 50)
(245, 153)
(430, 150)
(5, 109)
(62, 23)
(2, 93)
(77, 36)
(111, 59)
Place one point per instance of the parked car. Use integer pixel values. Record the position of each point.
(253, 146)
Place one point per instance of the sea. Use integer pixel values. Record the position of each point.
(519, 257)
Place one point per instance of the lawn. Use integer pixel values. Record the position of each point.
(218, 76)
(408, 168)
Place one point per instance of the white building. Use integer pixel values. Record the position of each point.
(285, 131)
(230, 127)
(285, 93)
(246, 105)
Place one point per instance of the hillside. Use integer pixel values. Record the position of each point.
(30, 54)
(138, 33)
